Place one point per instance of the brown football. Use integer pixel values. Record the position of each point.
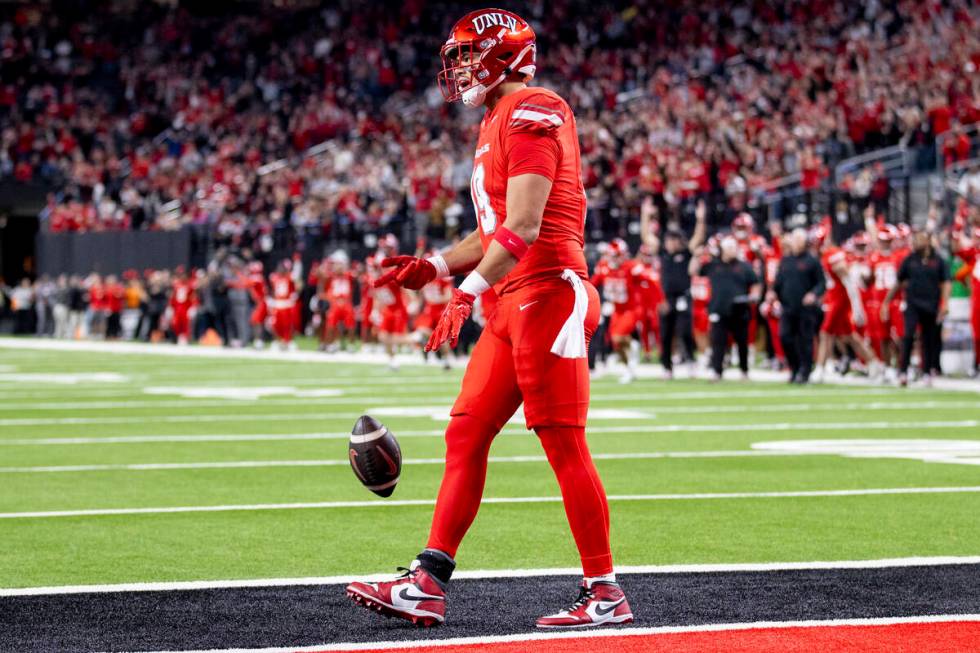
(375, 456)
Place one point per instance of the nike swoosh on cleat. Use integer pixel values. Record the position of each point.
(602, 610)
(406, 595)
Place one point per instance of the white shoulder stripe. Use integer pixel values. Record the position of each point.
(537, 116)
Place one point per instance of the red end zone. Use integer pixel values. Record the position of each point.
(943, 637)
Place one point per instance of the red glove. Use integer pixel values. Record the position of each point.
(451, 321)
(409, 272)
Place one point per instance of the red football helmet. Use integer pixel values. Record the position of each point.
(483, 49)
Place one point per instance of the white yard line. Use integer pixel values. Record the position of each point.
(420, 412)
(539, 636)
(653, 394)
(881, 563)
(377, 359)
(427, 433)
(324, 505)
(376, 400)
(343, 462)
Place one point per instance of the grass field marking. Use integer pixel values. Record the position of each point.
(422, 412)
(335, 397)
(343, 462)
(325, 505)
(431, 433)
(538, 636)
(479, 574)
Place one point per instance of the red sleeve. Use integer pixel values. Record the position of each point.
(532, 135)
(529, 153)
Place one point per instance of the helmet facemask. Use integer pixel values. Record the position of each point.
(466, 76)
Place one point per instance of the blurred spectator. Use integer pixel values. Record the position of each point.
(202, 119)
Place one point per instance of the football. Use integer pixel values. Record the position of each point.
(375, 456)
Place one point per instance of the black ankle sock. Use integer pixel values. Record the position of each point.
(437, 563)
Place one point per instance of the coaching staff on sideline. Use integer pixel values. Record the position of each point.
(734, 286)
(798, 288)
(924, 276)
(675, 259)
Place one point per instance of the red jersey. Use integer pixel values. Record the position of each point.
(97, 300)
(618, 284)
(751, 248)
(435, 293)
(532, 131)
(884, 273)
(283, 291)
(836, 292)
(772, 261)
(389, 296)
(649, 292)
(338, 288)
(182, 295)
(114, 295)
(971, 256)
(700, 291)
(256, 287)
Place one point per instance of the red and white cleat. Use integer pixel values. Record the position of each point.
(603, 604)
(414, 596)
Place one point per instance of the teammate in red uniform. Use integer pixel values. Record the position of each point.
(435, 297)
(650, 298)
(260, 311)
(967, 247)
(391, 303)
(282, 305)
(618, 276)
(751, 249)
(335, 286)
(183, 303)
(843, 311)
(528, 249)
(770, 310)
(365, 311)
(883, 267)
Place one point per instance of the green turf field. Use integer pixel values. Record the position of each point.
(151, 431)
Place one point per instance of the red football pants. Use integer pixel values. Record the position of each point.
(467, 445)
(511, 363)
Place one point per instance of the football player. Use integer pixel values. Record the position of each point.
(283, 304)
(843, 309)
(618, 277)
(650, 298)
(335, 287)
(391, 303)
(436, 296)
(966, 245)
(260, 311)
(529, 251)
(183, 300)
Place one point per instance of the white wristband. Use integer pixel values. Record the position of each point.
(442, 270)
(474, 284)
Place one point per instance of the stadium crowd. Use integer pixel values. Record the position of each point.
(872, 303)
(198, 119)
(327, 122)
